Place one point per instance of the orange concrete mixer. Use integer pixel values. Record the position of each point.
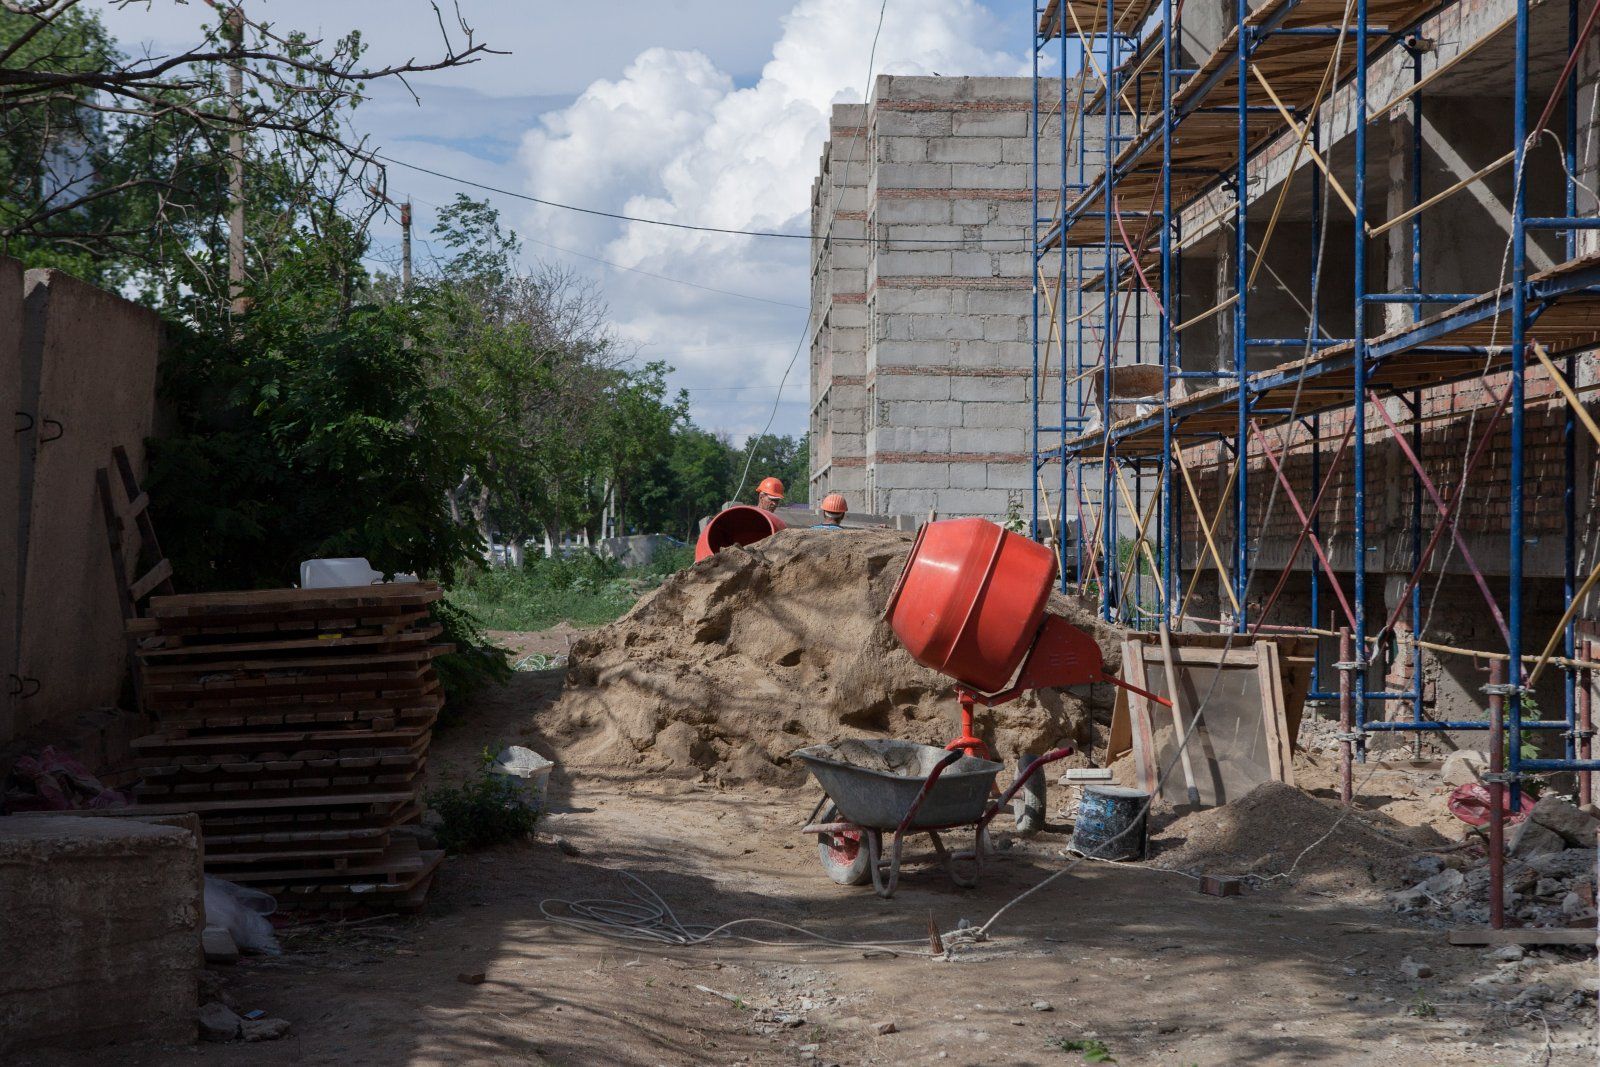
(738, 525)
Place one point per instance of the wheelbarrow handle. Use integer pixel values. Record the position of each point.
(1034, 767)
(927, 786)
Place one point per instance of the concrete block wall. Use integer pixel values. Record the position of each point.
(948, 302)
(838, 308)
(101, 932)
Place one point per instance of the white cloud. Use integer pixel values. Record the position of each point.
(673, 138)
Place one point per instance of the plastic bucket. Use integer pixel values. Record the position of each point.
(1111, 823)
(738, 525)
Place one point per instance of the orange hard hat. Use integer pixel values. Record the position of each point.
(771, 487)
(835, 504)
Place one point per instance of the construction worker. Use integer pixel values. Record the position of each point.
(833, 511)
(769, 494)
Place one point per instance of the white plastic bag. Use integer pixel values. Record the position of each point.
(243, 913)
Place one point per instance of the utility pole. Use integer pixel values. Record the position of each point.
(405, 247)
(241, 304)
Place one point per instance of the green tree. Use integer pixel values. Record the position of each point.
(114, 166)
(785, 458)
(311, 427)
(638, 422)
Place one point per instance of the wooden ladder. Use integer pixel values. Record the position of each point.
(156, 575)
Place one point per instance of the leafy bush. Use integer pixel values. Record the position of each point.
(476, 661)
(486, 809)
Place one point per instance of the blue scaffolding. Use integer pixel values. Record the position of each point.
(1182, 143)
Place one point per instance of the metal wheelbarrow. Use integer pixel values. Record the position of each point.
(879, 786)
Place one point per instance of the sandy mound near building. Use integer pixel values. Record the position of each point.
(737, 661)
(1276, 829)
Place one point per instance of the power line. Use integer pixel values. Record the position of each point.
(945, 241)
(646, 273)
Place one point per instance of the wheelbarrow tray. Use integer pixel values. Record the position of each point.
(874, 783)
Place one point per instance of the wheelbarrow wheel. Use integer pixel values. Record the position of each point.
(843, 855)
(1028, 805)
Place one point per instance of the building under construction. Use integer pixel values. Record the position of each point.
(1314, 293)
(1341, 257)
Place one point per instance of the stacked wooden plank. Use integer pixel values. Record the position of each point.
(296, 724)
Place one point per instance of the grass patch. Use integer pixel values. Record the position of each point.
(1091, 1050)
(583, 590)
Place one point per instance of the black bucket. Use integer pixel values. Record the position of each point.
(1111, 823)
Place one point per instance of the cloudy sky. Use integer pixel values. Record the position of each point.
(710, 112)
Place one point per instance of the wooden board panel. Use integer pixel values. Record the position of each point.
(95, 358)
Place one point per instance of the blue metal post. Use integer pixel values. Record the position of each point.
(1519, 356)
(1108, 499)
(1416, 397)
(1168, 534)
(1241, 276)
(1358, 413)
(1033, 248)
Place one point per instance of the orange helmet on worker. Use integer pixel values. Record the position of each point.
(769, 494)
(833, 512)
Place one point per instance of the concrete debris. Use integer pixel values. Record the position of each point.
(1530, 838)
(264, 1029)
(1465, 766)
(1534, 995)
(1568, 864)
(1414, 969)
(1423, 866)
(1547, 884)
(1575, 908)
(1576, 828)
(1505, 974)
(217, 944)
(218, 1022)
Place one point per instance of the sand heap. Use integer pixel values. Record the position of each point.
(735, 662)
(1276, 829)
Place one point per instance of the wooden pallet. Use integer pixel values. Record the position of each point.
(181, 745)
(296, 724)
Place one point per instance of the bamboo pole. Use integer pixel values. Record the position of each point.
(1436, 197)
(1205, 530)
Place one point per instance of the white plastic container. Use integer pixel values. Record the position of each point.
(337, 573)
(530, 769)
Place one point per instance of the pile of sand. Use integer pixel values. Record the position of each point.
(737, 661)
(1276, 828)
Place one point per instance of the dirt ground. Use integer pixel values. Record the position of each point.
(1123, 955)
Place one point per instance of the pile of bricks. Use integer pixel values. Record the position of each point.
(296, 724)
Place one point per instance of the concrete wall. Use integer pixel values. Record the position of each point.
(944, 305)
(838, 302)
(11, 522)
(86, 362)
(100, 932)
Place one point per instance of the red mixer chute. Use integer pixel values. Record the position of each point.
(970, 604)
(738, 525)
